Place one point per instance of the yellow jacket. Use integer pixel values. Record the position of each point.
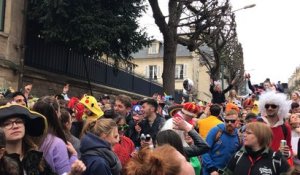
(206, 124)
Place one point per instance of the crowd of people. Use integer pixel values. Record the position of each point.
(256, 134)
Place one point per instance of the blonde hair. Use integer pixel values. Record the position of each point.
(262, 132)
(100, 126)
(157, 162)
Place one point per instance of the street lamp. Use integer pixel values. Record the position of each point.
(245, 7)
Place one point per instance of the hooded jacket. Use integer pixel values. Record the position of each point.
(98, 156)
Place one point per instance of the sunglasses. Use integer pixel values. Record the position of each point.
(123, 127)
(229, 120)
(271, 105)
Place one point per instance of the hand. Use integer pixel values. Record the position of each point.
(145, 143)
(137, 128)
(233, 81)
(134, 153)
(207, 110)
(66, 88)
(297, 130)
(214, 173)
(28, 88)
(285, 150)
(77, 168)
(71, 149)
(181, 124)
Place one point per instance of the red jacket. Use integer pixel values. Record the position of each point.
(124, 149)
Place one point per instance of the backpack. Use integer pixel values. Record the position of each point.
(276, 159)
(218, 136)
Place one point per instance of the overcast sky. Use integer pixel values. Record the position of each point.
(269, 33)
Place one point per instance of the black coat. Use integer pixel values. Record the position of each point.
(152, 130)
(267, 162)
(219, 97)
(32, 163)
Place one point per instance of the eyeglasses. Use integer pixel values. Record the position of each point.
(123, 127)
(230, 120)
(9, 124)
(271, 105)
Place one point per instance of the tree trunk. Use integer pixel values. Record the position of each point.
(168, 76)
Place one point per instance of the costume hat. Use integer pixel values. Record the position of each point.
(190, 109)
(91, 103)
(35, 123)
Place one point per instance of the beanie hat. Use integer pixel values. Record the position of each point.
(190, 109)
(91, 103)
(232, 106)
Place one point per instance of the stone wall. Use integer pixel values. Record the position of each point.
(10, 44)
(46, 83)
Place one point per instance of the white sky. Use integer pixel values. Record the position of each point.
(269, 33)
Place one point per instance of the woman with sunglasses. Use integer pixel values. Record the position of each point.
(125, 147)
(96, 148)
(256, 157)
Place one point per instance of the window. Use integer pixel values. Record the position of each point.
(2, 14)
(153, 48)
(152, 72)
(180, 71)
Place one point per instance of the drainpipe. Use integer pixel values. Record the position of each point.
(22, 46)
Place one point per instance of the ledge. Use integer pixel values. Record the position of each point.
(4, 35)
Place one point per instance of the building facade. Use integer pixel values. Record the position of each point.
(294, 80)
(11, 46)
(149, 63)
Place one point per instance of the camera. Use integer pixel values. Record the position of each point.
(147, 137)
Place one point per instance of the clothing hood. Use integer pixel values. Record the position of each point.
(91, 142)
(92, 145)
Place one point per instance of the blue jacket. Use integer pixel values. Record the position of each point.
(98, 157)
(221, 150)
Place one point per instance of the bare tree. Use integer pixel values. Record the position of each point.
(234, 61)
(190, 23)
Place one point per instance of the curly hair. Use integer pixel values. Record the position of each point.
(278, 99)
(157, 162)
